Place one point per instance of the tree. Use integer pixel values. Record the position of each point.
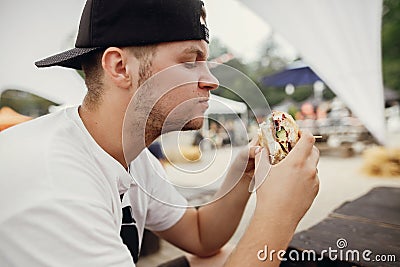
(391, 44)
(25, 103)
(217, 48)
(301, 93)
(270, 60)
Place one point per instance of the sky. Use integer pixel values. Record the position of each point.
(242, 31)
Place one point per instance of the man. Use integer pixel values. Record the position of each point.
(63, 175)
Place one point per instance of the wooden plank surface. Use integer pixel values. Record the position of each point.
(368, 223)
(359, 236)
(381, 204)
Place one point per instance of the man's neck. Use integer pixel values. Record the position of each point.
(106, 129)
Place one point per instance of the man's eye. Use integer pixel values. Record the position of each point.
(190, 65)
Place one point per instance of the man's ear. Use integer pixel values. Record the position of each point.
(116, 67)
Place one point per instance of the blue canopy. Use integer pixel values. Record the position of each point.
(296, 76)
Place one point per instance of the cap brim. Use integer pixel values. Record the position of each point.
(69, 59)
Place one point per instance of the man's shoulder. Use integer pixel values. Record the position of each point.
(41, 138)
(146, 160)
(34, 129)
(147, 170)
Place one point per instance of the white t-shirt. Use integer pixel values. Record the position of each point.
(60, 196)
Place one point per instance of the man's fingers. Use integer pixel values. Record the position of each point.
(262, 169)
(254, 141)
(253, 151)
(314, 157)
(304, 146)
(255, 147)
(250, 150)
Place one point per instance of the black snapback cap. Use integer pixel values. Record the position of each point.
(106, 23)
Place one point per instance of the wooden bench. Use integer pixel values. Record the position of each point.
(369, 223)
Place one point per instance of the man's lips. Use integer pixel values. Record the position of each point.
(203, 99)
(204, 102)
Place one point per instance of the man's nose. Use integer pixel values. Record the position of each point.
(208, 81)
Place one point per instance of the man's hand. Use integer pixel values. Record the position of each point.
(244, 164)
(291, 185)
(285, 192)
(204, 231)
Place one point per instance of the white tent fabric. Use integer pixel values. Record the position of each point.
(340, 41)
(221, 105)
(26, 37)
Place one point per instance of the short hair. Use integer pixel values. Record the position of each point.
(203, 14)
(93, 74)
(93, 71)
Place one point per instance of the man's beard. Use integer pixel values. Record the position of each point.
(194, 124)
(157, 123)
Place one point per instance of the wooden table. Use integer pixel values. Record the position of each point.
(371, 222)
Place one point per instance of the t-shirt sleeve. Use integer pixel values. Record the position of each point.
(166, 205)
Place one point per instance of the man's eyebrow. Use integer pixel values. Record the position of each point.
(195, 50)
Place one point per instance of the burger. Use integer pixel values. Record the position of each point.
(279, 133)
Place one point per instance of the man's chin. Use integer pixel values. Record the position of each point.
(194, 124)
